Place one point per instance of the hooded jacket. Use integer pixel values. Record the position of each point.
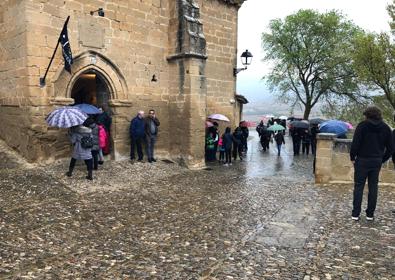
(372, 139)
(393, 146)
(76, 134)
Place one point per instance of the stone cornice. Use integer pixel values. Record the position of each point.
(233, 2)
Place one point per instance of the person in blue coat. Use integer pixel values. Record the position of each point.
(137, 134)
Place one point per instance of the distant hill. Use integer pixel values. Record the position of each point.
(254, 110)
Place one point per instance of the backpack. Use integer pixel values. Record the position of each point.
(86, 142)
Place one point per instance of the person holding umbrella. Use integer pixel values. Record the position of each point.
(371, 147)
(80, 136)
(82, 141)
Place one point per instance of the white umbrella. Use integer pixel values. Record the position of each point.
(218, 117)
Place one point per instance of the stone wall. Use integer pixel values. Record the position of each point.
(221, 34)
(14, 76)
(333, 163)
(131, 44)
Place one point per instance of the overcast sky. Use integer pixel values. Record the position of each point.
(254, 17)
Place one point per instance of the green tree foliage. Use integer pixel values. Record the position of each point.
(391, 12)
(374, 61)
(311, 54)
(351, 110)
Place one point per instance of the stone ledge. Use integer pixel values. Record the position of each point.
(120, 103)
(326, 136)
(61, 101)
(186, 55)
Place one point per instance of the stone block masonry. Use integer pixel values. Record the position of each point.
(188, 45)
(333, 165)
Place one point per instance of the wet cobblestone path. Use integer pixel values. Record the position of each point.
(262, 218)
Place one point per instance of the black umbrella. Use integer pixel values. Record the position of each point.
(316, 121)
(300, 124)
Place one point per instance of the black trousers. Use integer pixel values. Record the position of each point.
(136, 143)
(313, 146)
(238, 150)
(95, 157)
(88, 163)
(228, 155)
(305, 148)
(366, 168)
(296, 145)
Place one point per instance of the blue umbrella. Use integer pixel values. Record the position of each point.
(66, 117)
(334, 126)
(88, 109)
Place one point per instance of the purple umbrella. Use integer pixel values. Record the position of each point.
(66, 117)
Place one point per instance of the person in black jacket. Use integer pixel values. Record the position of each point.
(279, 138)
(238, 143)
(151, 124)
(227, 142)
(245, 131)
(393, 145)
(370, 148)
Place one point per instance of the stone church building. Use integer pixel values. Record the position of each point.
(174, 56)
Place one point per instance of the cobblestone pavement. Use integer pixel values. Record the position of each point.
(262, 218)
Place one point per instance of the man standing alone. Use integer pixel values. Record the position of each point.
(136, 132)
(370, 148)
(393, 145)
(151, 132)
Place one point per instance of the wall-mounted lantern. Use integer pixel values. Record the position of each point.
(246, 59)
(100, 12)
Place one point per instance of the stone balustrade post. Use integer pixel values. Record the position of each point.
(323, 162)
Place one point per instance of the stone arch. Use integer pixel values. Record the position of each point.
(63, 82)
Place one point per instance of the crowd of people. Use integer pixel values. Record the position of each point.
(229, 145)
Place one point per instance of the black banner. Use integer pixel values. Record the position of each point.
(66, 49)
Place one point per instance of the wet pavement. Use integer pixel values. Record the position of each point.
(262, 218)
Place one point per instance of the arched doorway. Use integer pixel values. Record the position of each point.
(91, 88)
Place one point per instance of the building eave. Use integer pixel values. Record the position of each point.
(241, 99)
(237, 3)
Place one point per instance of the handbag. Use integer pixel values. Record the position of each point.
(87, 142)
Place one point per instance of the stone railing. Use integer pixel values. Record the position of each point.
(333, 165)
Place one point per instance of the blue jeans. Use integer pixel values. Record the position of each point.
(279, 149)
(150, 146)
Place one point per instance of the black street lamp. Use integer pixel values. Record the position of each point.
(246, 59)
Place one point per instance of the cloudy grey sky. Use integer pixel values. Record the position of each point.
(254, 17)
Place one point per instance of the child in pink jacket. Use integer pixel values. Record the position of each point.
(103, 138)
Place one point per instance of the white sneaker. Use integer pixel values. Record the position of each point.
(355, 218)
(369, 218)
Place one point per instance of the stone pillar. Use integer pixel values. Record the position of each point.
(188, 90)
(323, 162)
